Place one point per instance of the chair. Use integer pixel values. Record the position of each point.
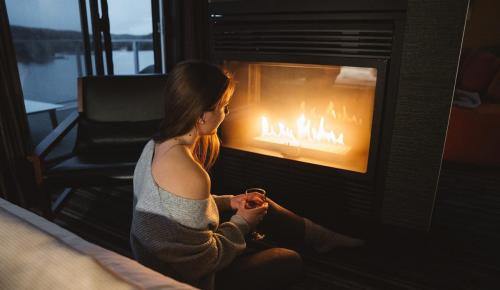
(116, 116)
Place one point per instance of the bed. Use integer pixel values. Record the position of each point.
(38, 254)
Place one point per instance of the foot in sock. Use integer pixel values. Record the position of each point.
(323, 240)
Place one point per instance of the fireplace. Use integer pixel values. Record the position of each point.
(306, 116)
(314, 113)
(311, 113)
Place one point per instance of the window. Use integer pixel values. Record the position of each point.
(53, 49)
(48, 42)
(131, 35)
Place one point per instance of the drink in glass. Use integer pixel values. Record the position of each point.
(251, 204)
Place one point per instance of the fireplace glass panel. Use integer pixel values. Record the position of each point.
(319, 114)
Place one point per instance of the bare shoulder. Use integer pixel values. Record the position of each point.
(178, 173)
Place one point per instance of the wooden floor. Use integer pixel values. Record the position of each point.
(461, 251)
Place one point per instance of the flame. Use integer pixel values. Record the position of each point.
(304, 135)
(342, 116)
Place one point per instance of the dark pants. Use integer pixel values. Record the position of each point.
(268, 268)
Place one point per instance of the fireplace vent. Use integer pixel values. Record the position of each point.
(345, 38)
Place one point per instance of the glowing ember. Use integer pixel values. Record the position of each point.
(305, 135)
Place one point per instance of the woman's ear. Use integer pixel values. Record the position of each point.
(201, 120)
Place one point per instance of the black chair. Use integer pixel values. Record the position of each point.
(116, 116)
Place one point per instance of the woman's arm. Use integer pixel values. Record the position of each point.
(190, 253)
(230, 202)
(224, 202)
(217, 248)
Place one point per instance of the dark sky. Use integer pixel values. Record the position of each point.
(126, 16)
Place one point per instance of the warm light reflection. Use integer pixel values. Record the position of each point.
(305, 134)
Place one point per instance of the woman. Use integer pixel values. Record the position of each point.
(176, 228)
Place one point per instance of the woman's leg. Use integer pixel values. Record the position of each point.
(279, 223)
(275, 268)
(283, 225)
(289, 228)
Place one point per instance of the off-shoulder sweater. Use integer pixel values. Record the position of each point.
(181, 237)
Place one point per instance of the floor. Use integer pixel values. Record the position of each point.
(459, 253)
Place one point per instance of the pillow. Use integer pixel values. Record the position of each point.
(478, 70)
(493, 93)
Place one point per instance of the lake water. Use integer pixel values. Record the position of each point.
(55, 82)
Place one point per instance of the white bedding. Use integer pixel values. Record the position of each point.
(38, 254)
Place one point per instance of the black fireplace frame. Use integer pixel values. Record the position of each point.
(379, 64)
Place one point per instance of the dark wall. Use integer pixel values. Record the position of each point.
(433, 37)
(483, 24)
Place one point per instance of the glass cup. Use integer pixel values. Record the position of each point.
(256, 236)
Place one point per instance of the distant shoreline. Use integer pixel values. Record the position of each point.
(41, 45)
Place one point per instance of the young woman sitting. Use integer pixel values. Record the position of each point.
(176, 227)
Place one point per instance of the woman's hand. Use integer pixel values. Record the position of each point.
(253, 216)
(254, 197)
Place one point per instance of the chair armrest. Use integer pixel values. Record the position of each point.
(54, 137)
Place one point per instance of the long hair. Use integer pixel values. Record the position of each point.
(192, 88)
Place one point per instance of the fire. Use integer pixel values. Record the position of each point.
(305, 135)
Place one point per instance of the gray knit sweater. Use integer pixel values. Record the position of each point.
(181, 237)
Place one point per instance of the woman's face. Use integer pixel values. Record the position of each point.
(211, 120)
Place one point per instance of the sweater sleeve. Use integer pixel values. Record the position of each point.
(223, 202)
(206, 252)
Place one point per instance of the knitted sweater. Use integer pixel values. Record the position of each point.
(181, 237)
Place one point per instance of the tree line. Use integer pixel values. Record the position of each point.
(41, 45)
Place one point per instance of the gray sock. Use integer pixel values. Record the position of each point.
(323, 240)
